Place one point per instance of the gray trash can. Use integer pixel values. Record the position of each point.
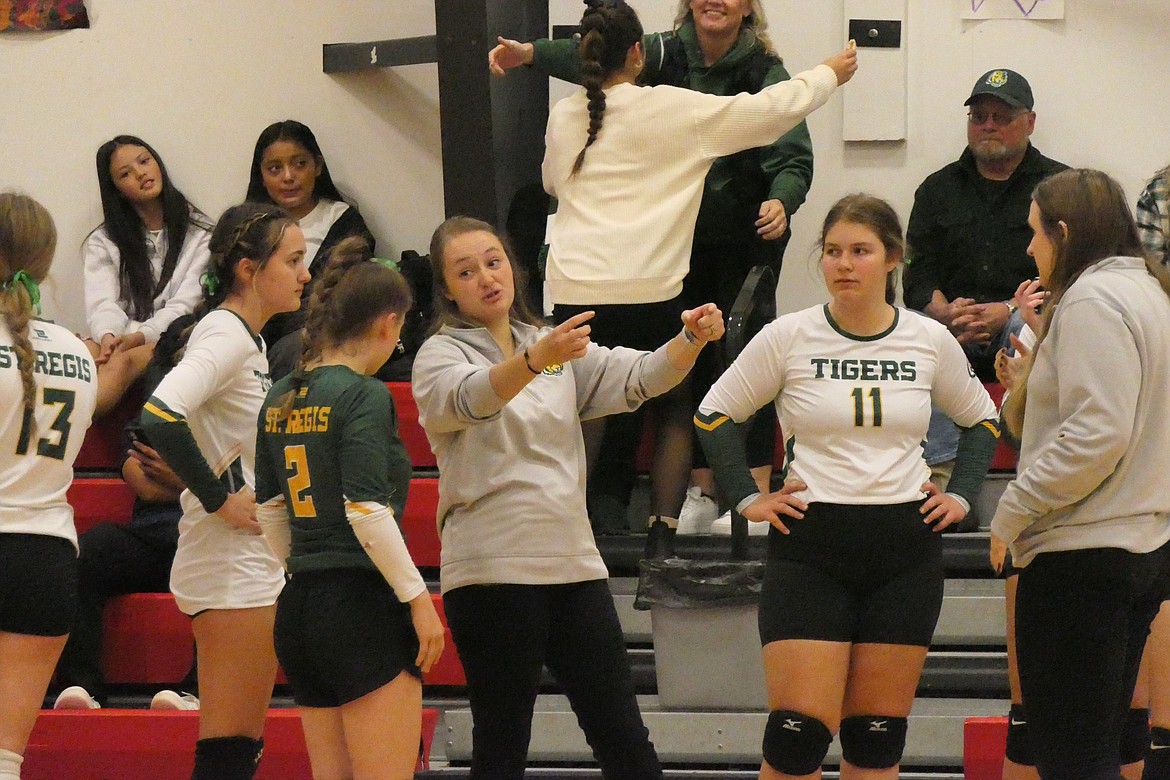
(706, 638)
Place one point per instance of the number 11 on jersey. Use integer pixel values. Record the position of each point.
(875, 396)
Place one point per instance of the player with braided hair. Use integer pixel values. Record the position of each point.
(355, 626)
(201, 420)
(627, 166)
(52, 374)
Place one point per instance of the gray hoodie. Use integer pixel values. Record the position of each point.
(1096, 437)
(512, 473)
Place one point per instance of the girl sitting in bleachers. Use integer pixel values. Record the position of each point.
(141, 265)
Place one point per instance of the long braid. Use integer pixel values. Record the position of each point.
(16, 309)
(592, 76)
(608, 29)
(28, 239)
(349, 294)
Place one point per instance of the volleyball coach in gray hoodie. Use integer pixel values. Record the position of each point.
(1087, 517)
(501, 397)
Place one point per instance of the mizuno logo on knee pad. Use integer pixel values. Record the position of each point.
(795, 743)
(873, 742)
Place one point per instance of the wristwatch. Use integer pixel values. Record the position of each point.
(1011, 307)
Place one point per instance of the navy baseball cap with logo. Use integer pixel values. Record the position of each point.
(1007, 85)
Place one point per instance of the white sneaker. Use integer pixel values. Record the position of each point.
(698, 512)
(170, 700)
(75, 698)
(722, 526)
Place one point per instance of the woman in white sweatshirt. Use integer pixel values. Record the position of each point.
(627, 166)
(1087, 518)
(142, 264)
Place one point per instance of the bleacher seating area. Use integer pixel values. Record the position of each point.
(955, 729)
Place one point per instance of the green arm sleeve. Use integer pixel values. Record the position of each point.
(171, 436)
(976, 447)
(722, 442)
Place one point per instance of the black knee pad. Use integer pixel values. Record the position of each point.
(227, 758)
(794, 743)
(1158, 759)
(873, 741)
(1135, 736)
(1019, 746)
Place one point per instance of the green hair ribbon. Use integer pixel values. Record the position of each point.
(391, 264)
(210, 282)
(30, 286)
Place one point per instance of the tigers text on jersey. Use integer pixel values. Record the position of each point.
(36, 461)
(854, 410)
(338, 447)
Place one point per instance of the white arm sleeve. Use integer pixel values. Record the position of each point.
(273, 519)
(375, 528)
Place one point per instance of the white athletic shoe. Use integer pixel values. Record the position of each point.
(722, 526)
(75, 698)
(698, 512)
(170, 700)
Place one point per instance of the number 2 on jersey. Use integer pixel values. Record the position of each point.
(50, 396)
(875, 396)
(296, 460)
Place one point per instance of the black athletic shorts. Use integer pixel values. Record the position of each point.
(853, 573)
(340, 634)
(38, 584)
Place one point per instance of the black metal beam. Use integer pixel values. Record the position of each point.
(346, 57)
(492, 130)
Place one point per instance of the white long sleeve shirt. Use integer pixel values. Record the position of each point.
(625, 222)
(106, 310)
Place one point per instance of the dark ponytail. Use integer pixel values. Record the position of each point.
(608, 29)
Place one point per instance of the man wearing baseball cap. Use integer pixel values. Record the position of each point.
(968, 231)
(968, 235)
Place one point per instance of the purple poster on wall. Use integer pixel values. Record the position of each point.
(24, 15)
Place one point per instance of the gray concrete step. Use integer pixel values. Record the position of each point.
(935, 737)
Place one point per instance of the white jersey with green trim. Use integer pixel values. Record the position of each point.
(36, 462)
(853, 410)
(218, 387)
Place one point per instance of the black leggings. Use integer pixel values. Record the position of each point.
(644, 326)
(1082, 618)
(506, 633)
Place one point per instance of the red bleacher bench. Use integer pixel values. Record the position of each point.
(411, 433)
(110, 500)
(984, 744)
(418, 522)
(448, 670)
(99, 744)
(147, 640)
(99, 500)
(103, 446)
